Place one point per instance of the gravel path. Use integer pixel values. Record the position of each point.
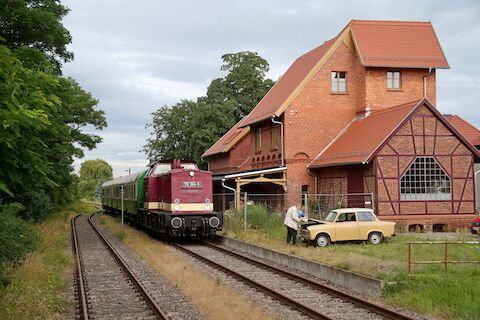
(167, 296)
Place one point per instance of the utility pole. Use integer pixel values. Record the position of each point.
(122, 191)
(128, 170)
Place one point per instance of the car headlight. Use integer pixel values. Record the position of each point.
(176, 222)
(214, 222)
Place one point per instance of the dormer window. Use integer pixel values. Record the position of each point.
(393, 80)
(339, 82)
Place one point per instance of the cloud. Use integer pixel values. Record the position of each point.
(137, 56)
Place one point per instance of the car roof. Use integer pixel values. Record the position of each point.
(352, 209)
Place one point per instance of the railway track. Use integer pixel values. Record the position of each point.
(307, 296)
(107, 288)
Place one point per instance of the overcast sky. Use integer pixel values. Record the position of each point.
(135, 56)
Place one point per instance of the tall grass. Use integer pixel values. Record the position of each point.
(35, 290)
(259, 220)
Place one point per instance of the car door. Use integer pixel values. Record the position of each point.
(346, 227)
(366, 222)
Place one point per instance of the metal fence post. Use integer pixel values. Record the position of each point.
(446, 256)
(245, 213)
(409, 257)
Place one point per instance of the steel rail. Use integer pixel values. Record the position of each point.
(160, 313)
(388, 313)
(277, 295)
(81, 284)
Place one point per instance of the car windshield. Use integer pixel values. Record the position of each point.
(331, 216)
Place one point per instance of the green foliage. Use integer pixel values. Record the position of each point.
(259, 219)
(17, 238)
(36, 24)
(38, 205)
(92, 174)
(188, 128)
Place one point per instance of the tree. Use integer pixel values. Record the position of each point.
(98, 170)
(42, 115)
(188, 128)
(92, 174)
(32, 26)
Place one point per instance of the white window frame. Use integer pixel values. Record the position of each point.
(429, 170)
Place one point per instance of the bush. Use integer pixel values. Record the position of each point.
(17, 238)
(37, 205)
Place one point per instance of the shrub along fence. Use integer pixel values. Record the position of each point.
(267, 211)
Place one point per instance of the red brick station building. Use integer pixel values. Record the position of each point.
(357, 115)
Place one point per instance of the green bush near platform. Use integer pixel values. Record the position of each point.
(17, 239)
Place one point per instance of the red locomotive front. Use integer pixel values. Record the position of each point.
(181, 196)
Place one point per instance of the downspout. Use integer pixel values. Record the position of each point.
(424, 86)
(234, 192)
(281, 138)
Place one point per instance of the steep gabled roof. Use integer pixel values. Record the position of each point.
(286, 84)
(468, 130)
(228, 140)
(361, 140)
(403, 44)
(399, 44)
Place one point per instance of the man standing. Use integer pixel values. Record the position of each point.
(291, 222)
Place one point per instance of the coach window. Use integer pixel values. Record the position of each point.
(339, 82)
(394, 80)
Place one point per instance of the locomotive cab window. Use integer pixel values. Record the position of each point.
(162, 168)
(189, 166)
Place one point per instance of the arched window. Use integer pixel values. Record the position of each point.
(425, 180)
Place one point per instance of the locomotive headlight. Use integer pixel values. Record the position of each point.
(176, 201)
(192, 173)
(214, 222)
(176, 207)
(208, 206)
(176, 222)
(207, 200)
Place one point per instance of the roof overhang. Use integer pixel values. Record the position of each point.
(336, 164)
(255, 173)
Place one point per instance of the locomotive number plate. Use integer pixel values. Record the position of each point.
(192, 184)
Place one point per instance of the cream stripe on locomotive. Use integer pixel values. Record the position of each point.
(179, 206)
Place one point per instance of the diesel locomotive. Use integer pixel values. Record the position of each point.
(172, 197)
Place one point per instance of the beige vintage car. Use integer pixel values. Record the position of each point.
(347, 224)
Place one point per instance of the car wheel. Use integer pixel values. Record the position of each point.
(375, 238)
(322, 240)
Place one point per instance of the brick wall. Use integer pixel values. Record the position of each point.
(424, 135)
(379, 97)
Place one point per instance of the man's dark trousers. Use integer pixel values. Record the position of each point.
(291, 235)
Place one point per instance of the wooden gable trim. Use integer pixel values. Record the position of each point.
(439, 116)
(340, 40)
(237, 139)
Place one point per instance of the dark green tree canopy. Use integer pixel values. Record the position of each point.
(188, 128)
(36, 24)
(43, 115)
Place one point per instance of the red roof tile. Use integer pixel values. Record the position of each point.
(227, 140)
(363, 136)
(286, 84)
(398, 44)
(468, 130)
